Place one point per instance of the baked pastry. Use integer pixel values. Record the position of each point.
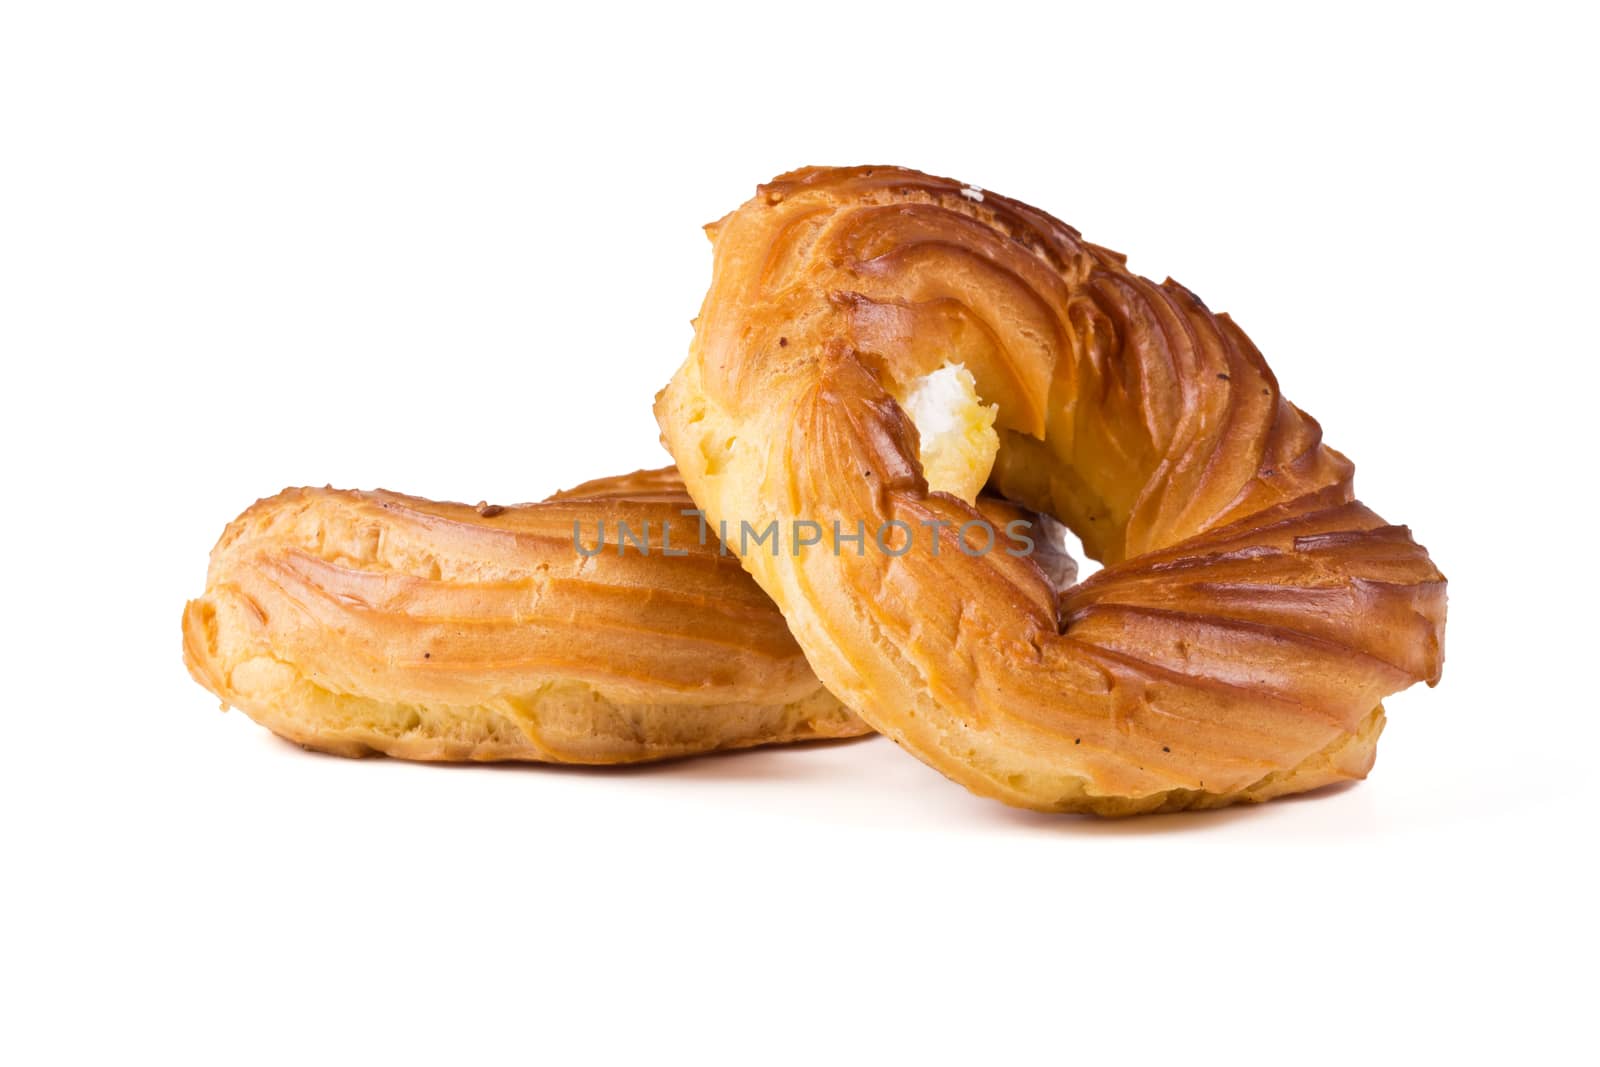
(877, 344)
(356, 623)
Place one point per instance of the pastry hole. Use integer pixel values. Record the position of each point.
(1056, 551)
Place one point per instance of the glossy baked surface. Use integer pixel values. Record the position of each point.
(360, 622)
(1252, 615)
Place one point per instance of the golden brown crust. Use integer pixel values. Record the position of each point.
(1252, 614)
(355, 622)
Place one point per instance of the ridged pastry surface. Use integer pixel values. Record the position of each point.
(363, 622)
(1252, 614)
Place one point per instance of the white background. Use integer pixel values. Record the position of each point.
(454, 251)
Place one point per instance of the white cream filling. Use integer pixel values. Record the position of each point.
(956, 430)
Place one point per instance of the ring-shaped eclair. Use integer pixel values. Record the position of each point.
(358, 623)
(1251, 615)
